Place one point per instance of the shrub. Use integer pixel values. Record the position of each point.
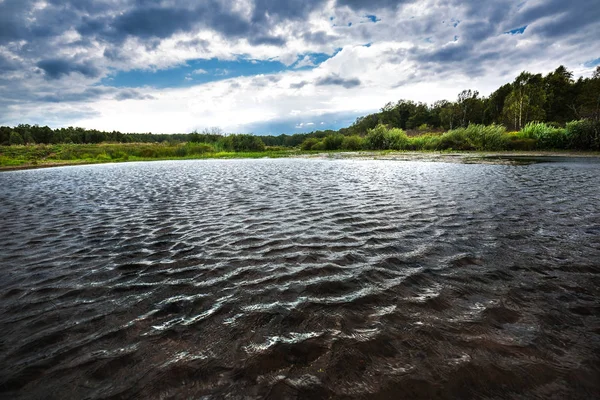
(333, 142)
(546, 136)
(225, 144)
(181, 151)
(148, 153)
(424, 142)
(309, 143)
(354, 142)
(199, 148)
(66, 155)
(520, 143)
(583, 134)
(376, 138)
(15, 139)
(318, 146)
(245, 142)
(118, 155)
(455, 139)
(490, 137)
(103, 157)
(424, 128)
(396, 139)
(276, 148)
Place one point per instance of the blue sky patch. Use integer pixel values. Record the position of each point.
(517, 31)
(291, 126)
(592, 63)
(192, 73)
(373, 18)
(315, 58)
(196, 72)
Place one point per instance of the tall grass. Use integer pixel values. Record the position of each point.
(546, 136)
(583, 134)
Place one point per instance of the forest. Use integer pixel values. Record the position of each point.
(534, 111)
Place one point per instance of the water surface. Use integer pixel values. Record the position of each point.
(300, 279)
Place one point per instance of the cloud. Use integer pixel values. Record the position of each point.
(305, 62)
(56, 68)
(372, 4)
(56, 56)
(338, 81)
(298, 85)
(131, 94)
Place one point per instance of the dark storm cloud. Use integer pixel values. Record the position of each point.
(284, 10)
(336, 80)
(33, 65)
(372, 4)
(560, 18)
(459, 57)
(56, 68)
(268, 40)
(12, 13)
(163, 21)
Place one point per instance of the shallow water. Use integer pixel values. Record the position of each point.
(300, 279)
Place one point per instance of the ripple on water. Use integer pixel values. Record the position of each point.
(300, 279)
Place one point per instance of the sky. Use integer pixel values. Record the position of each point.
(271, 66)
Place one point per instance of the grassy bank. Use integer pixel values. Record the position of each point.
(32, 156)
(41, 156)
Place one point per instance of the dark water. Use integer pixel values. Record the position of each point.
(301, 279)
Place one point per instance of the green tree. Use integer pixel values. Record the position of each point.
(526, 101)
(559, 95)
(15, 138)
(494, 110)
(333, 142)
(469, 106)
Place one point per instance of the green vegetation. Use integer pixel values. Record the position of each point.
(66, 154)
(552, 112)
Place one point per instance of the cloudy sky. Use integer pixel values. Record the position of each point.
(270, 66)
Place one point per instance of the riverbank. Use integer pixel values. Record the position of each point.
(30, 157)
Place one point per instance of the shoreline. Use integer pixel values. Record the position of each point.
(493, 158)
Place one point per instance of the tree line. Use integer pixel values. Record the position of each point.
(554, 99)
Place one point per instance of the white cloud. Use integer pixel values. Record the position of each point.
(305, 62)
(412, 55)
(235, 103)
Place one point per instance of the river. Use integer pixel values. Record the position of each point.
(296, 278)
